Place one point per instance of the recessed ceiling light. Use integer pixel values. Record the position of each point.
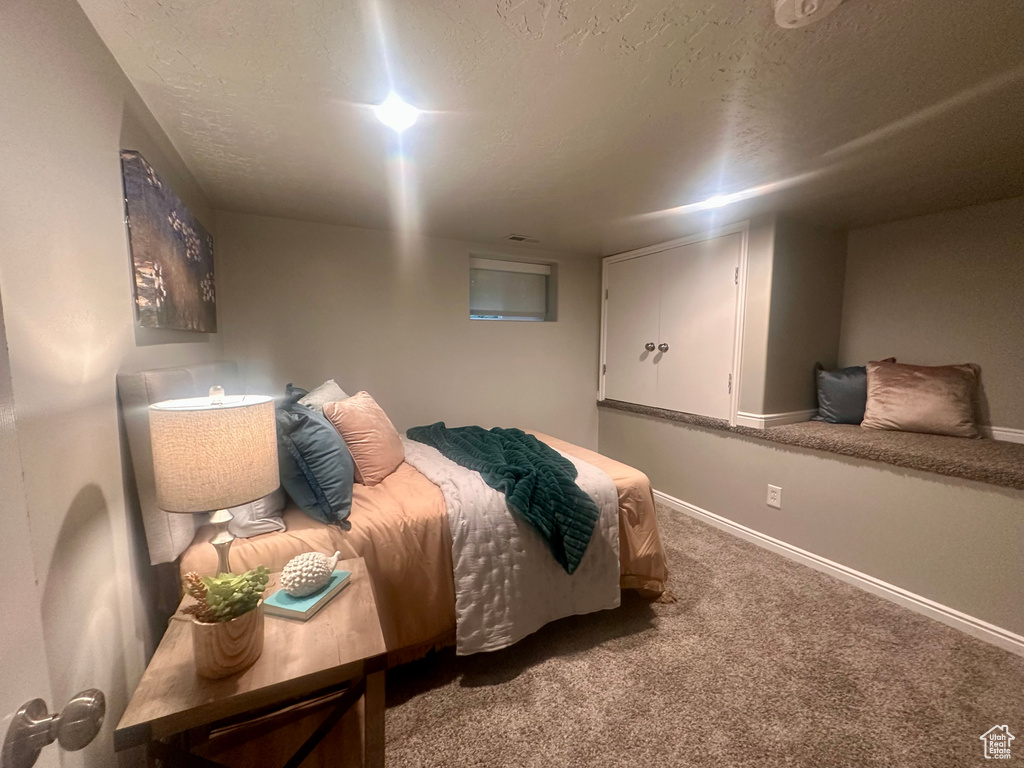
(396, 113)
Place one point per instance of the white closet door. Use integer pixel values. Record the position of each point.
(632, 312)
(698, 323)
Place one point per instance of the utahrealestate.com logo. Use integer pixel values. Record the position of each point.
(997, 742)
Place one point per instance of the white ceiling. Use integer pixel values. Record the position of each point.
(566, 119)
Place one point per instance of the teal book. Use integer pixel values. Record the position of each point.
(303, 608)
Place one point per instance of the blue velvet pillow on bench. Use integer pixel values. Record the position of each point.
(842, 394)
(316, 466)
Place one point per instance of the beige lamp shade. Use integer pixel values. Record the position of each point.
(213, 454)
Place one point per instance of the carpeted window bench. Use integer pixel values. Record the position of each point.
(984, 461)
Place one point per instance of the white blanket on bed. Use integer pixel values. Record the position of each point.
(507, 583)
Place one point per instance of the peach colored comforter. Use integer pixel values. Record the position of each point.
(400, 528)
(641, 556)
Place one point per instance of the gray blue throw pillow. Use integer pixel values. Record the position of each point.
(842, 394)
(316, 466)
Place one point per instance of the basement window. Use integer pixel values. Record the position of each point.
(509, 290)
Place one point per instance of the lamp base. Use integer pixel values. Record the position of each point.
(222, 539)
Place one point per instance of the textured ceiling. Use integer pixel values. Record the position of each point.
(566, 120)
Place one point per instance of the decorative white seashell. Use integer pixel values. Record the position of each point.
(307, 573)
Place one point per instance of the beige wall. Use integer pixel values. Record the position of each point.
(24, 674)
(940, 289)
(756, 312)
(806, 307)
(305, 302)
(67, 303)
(955, 542)
(792, 307)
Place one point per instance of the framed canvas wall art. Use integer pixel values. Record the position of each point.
(172, 253)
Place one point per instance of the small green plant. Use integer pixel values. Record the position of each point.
(227, 596)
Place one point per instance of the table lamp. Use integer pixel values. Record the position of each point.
(211, 453)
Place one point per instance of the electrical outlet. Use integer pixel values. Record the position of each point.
(775, 496)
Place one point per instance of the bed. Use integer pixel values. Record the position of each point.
(399, 526)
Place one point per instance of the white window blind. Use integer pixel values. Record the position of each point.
(507, 290)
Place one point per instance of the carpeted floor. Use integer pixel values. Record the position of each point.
(762, 662)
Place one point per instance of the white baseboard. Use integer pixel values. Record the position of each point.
(762, 420)
(969, 624)
(1005, 434)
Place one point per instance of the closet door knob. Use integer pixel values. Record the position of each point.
(663, 347)
(649, 346)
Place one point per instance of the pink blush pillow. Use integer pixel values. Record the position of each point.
(370, 436)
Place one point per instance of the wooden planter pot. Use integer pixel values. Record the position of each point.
(225, 648)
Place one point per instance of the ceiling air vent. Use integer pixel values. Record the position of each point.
(522, 239)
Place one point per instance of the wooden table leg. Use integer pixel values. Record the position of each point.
(374, 720)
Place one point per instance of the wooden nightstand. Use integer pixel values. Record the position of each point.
(309, 675)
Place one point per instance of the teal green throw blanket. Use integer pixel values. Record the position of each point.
(538, 482)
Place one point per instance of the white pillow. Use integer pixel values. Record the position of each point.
(328, 392)
(260, 516)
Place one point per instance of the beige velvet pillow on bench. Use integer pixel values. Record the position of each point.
(937, 400)
(371, 438)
